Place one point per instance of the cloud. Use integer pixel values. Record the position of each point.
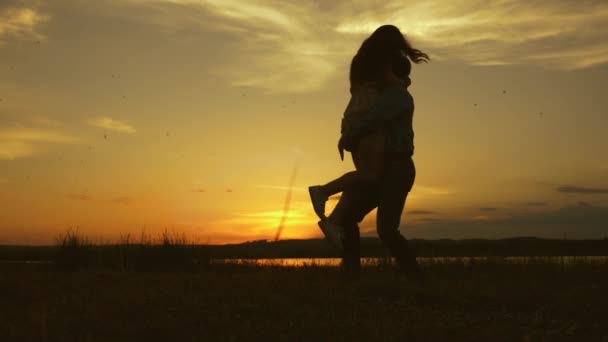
(480, 218)
(45, 121)
(112, 125)
(4, 181)
(296, 46)
(567, 189)
(420, 212)
(79, 197)
(199, 190)
(488, 209)
(276, 214)
(273, 187)
(580, 220)
(20, 21)
(566, 36)
(34, 135)
(10, 150)
(280, 187)
(424, 191)
(122, 200)
(19, 142)
(246, 11)
(276, 47)
(535, 204)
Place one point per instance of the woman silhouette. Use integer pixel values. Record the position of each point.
(382, 58)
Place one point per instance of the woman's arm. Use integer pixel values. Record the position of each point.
(391, 102)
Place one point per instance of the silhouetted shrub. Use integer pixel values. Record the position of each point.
(169, 252)
(74, 252)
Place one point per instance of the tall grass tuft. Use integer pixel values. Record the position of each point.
(170, 251)
(74, 252)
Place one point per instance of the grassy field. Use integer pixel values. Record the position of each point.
(480, 301)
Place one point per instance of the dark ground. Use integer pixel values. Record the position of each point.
(487, 301)
(318, 248)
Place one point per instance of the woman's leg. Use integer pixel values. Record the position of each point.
(341, 183)
(319, 194)
(395, 186)
(369, 162)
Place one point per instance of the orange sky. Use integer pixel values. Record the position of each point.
(190, 115)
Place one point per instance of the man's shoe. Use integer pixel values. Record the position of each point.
(318, 199)
(333, 233)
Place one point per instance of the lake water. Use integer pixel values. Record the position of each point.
(334, 262)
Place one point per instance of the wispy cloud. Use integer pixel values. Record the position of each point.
(567, 35)
(34, 135)
(112, 125)
(45, 121)
(10, 150)
(249, 11)
(20, 21)
(79, 197)
(122, 200)
(568, 189)
(581, 220)
(426, 191)
(420, 212)
(4, 181)
(270, 214)
(480, 218)
(18, 142)
(295, 46)
(277, 37)
(488, 209)
(279, 187)
(535, 204)
(278, 46)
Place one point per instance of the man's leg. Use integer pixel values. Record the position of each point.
(397, 183)
(354, 204)
(351, 256)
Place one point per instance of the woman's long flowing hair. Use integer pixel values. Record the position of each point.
(384, 46)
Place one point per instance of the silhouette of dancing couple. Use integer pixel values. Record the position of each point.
(377, 131)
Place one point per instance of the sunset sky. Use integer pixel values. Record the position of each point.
(119, 116)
